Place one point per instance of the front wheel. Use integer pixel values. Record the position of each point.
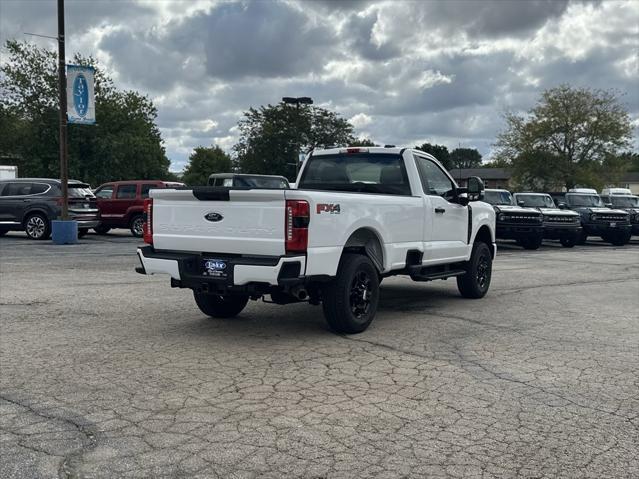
(568, 241)
(218, 306)
(475, 283)
(350, 300)
(137, 226)
(620, 238)
(581, 239)
(37, 226)
(532, 243)
(101, 229)
(82, 232)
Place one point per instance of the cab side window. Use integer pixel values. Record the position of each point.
(105, 193)
(126, 192)
(17, 189)
(434, 181)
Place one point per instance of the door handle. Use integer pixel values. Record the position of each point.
(440, 210)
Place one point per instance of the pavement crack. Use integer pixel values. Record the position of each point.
(70, 461)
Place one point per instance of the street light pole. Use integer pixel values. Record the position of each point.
(302, 100)
(62, 91)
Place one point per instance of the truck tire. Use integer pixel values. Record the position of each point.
(568, 241)
(620, 238)
(532, 242)
(101, 230)
(37, 226)
(350, 300)
(475, 283)
(82, 232)
(136, 226)
(218, 306)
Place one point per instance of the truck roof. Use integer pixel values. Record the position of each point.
(363, 149)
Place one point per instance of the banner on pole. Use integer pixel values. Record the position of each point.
(80, 95)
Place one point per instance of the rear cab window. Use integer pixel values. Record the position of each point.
(359, 172)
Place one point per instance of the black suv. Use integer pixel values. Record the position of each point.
(613, 226)
(524, 225)
(30, 204)
(628, 203)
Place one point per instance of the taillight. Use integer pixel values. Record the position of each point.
(147, 228)
(296, 228)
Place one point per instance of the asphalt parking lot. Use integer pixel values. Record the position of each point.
(107, 373)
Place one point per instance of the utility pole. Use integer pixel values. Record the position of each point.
(62, 91)
(302, 100)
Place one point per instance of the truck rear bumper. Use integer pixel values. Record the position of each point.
(189, 270)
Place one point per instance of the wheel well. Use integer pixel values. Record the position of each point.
(33, 211)
(365, 241)
(484, 236)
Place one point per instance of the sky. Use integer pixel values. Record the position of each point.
(403, 73)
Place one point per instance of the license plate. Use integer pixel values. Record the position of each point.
(613, 225)
(216, 268)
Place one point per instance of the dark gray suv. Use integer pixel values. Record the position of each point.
(29, 205)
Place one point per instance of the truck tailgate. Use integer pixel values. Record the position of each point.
(220, 221)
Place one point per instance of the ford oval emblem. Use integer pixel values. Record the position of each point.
(213, 217)
(81, 95)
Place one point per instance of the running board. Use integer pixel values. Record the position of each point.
(430, 273)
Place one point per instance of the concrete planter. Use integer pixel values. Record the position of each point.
(64, 232)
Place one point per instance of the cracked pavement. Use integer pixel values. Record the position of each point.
(106, 373)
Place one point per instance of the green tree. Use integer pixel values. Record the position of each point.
(124, 144)
(205, 161)
(465, 158)
(438, 151)
(271, 136)
(571, 133)
(362, 142)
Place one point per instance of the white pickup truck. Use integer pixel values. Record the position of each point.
(356, 216)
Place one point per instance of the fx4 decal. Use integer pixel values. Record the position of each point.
(328, 208)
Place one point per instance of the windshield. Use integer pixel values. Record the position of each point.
(498, 198)
(584, 200)
(536, 201)
(367, 173)
(625, 201)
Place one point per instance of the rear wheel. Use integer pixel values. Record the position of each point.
(137, 226)
(82, 232)
(532, 242)
(350, 300)
(475, 283)
(37, 226)
(101, 230)
(218, 306)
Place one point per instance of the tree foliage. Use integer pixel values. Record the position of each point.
(362, 142)
(271, 136)
(124, 144)
(465, 158)
(438, 151)
(203, 162)
(571, 135)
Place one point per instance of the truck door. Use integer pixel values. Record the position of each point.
(446, 222)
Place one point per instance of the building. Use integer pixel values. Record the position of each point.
(492, 177)
(501, 178)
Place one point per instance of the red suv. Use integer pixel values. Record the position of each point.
(121, 203)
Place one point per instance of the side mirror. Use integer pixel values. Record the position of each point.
(562, 206)
(475, 189)
(608, 205)
(521, 203)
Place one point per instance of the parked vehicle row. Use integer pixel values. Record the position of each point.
(570, 217)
